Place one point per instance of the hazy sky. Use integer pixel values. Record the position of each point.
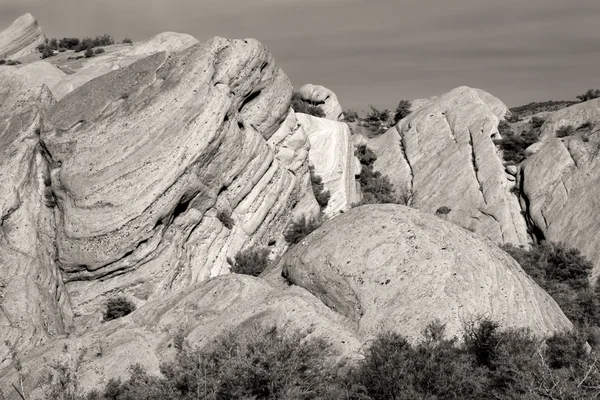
(372, 51)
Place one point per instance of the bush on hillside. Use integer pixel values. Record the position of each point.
(565, 131)
(251, 261)
(225, 219)
(104, 40)
(513, 146)
(118, 307)
(376, 188)
(299, 229)
(127, 41)
(69, 43)
(99, 50)
(302, 106)
(321, 195)
(89, 53)
(350, 116)
(377, 121)
(589, 95)
(521, 112)
(401, 111)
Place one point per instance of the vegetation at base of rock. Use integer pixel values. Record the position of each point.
(443, 210)
(378, 121)
(565, 131)
(351, 116)
(521, 112)
(301, 105)
(251, 261)
(299, 229)
(513, 145)
(48, 48)
(565, 274)
(376, 188)
(402, 111)
(118, 307)
(225, 219)
(262, 362)
(99, 50)
(591, 94)
(9, 62)
(321, 195)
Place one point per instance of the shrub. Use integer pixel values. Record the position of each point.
(589, 95)
(104, 40)
(89, 53)
(84, 44)
(377, 121)
(13, 62)
(564, 131)
(587, 126)
(251, 261)
(318, 188)
(376, 187)
(301, 228)
(302, 106)
(225, 219)
(513, 146)
(505, 129)
(47, 53)
(118, 307)
(518, 113)
(401, 111)
(2, 62)
(69, 43)
(127, 41)
(443, 210)
(99, 51)
(350, 116)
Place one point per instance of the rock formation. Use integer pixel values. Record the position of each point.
(444, 154)
(332, 155)
(21, 38)
(324, 99)
(390, 267)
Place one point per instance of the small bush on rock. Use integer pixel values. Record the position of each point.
(300, 228)
(302, 106)
(402, 111)
(89, 53)
(251, 262)
(225, 219)
(591, 94)
(99, 51)
(443, 210)
(376, 187)
(127, 41)
(564, 131)
(118, 307)
(318, 188)
(350, 116)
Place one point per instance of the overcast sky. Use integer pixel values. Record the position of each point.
(372, 51)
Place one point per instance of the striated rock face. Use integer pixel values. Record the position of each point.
(393, 267)
(444, 154)
(332, 155)
(33, 301)
(145, 158)
(558, 184)
(21, 38)
(99, 65)
(325, 99)
(216, 306)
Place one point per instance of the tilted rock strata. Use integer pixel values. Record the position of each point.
(390, 267)
(332, 155)
(145, 157)
(449, 160)
(325, 99)
(21, 38)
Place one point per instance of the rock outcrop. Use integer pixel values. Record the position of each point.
(325, 99)
(444, 154)
(397, 268)
(21, 38)
(558, 184)
(332, 155)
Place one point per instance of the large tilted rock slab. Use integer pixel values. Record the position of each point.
(443, 153)
(94, 67)
(577, 115)
(332, 155)
(559, 188)
(325, 99)
(21, 38)
(146, 157)
(33, 301)
(202, 312)
(390, 267)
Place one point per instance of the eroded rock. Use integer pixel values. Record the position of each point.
(21, 38)
(325, 99)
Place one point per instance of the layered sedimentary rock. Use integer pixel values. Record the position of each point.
(21, 38)
(332, 155)
(444, 154)
(559, 183)
(390, 267)
(91, 68)
(147, 160)
(325, 99)
(33, 301)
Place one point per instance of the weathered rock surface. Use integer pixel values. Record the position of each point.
(577, 115)
(325, 99)
(40, 73)
(444, 154)
(394, 267)
(144, 158)
(332, 155)
(21, 38)
(559, 185)
(201, 313)
(90, 68)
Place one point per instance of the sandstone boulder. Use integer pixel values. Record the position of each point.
(324, 99)
(21, 38)
(577, 115)
(444, 154)
(390, 267)
(332, 155)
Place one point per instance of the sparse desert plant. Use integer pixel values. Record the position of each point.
(13, 62)
(127, 41)
(251, 261)
(99, 50)
(591, 94)
(69, 43)
(225, 219)
(118, 307)
(505, 129)
(513, 146)
(2, 62)
(47, 53)
(564, 131)
(321, 195)
(299, 229)
(521, 112)
(586, 126)
(377, 121)
(104, 40)
(537, 122)
(443, 210)
(350, 116)
(302, 106)
(89, 53)
(401, 111)
(376, 188)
